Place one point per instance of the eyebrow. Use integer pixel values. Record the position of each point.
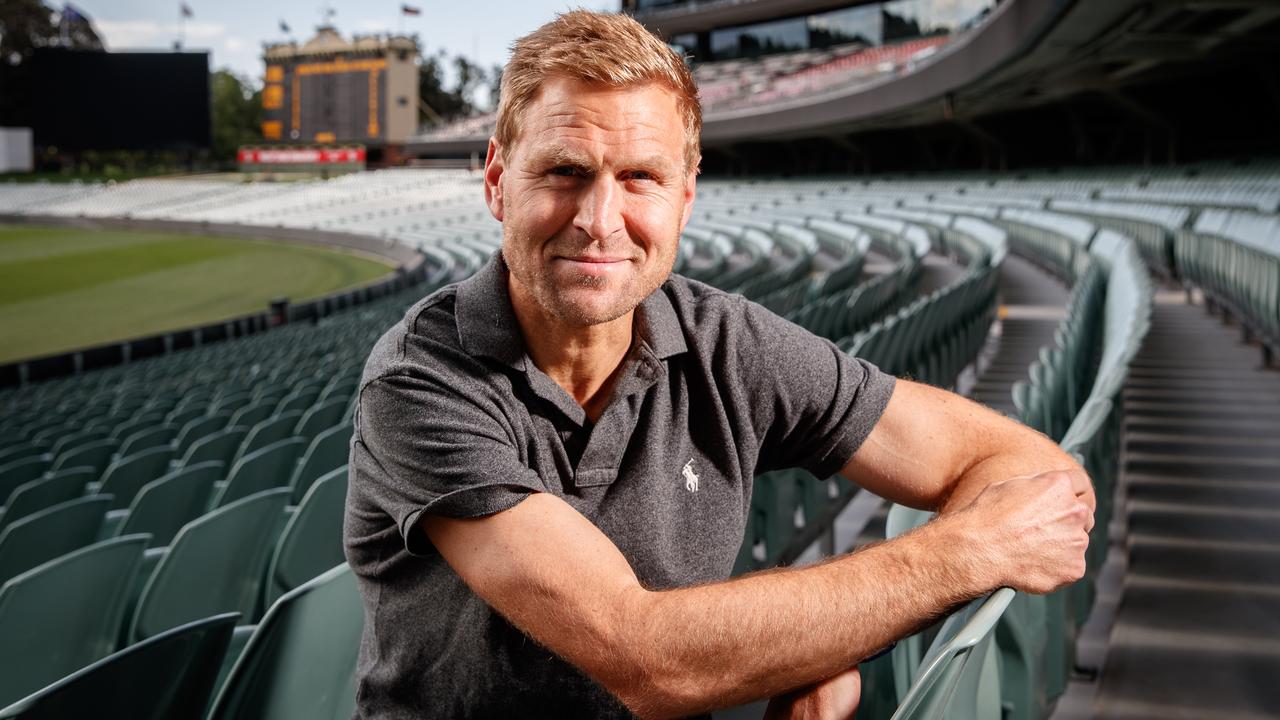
(557, 156)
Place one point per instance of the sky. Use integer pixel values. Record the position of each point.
(234, 30)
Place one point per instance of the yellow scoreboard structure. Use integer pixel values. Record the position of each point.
(331, 90)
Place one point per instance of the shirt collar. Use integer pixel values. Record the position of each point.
(487, 324)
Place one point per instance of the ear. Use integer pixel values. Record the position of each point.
(690, 190)
(493, 168)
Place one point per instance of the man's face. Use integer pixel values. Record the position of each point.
(592, 198)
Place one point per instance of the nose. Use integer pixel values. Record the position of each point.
(600, 209)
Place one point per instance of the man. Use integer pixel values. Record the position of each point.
(522, 518)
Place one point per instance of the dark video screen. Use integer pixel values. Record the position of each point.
(121, 101)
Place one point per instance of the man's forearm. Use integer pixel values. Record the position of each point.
(1024, 452)
(756, 636)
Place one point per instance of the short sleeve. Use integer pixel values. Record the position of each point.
(422, 447)
(815, 404)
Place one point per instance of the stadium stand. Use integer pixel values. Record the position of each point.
(911, 274)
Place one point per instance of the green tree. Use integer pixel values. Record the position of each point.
(443, 103)
(237, 114)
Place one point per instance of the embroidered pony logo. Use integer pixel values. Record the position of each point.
(690, 477)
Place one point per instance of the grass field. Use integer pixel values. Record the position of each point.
(67, 288)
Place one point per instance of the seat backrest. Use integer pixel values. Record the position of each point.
(22, 471)
(44, 493)
(270, 467)
(49, 631)
(320, 418)
(197, 428)
(44, 535)
(329, 451)
(300, 662)
(952, 670)
(214, 565)
(273, 429)
(126, 476)
(148, 437)
(96, 454)
(312, 539)
(218, 446)
(175, 669)
(164, 505)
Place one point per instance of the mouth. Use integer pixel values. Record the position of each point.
(592, 264)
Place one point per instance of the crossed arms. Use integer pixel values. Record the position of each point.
(1014, 511)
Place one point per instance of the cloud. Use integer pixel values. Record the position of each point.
(233, 44)
(372, 25)
(124, 34)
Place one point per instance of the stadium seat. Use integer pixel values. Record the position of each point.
(328, 451)
(270, 467)
(312, 538)
(44, 493)
(300, 662)
(218, 446)
(126, 476)
(96, 454)
(272, 430)
(49, 630)
(148, 437)
(164, 505)
(196, 428)
(956, 679)
(22, 471)
(214, 565)
(320, 418)
(167, 676)
(75, 440)
(254, 413)
(44, 535)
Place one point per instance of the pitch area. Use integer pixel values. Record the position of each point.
(67, 288)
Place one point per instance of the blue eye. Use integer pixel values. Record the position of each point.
(564, 171)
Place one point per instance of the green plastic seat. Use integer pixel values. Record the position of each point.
(196, 428)
(145, 421)
(96, 454)
(300, 662)
(272, 430)
(312, 538)
(330, 450)
(149, 437)
(218, 446)
(126, 476)
(20, 472)
(168, 676)
(270, 467)
(44, 535)
(252, 414)
(75, 440)
(957, 678)
(214, 565)
(164, 505)
(64, 614)
(320, 418)
(44, 493)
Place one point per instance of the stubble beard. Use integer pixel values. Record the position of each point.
(536, 278)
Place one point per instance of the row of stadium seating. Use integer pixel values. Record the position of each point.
(811, 236)
(729, 85)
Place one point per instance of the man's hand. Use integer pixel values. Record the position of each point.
(1037, 529)
(833, 699)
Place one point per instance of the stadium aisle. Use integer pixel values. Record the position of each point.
(1032, 303)
(1197, 633)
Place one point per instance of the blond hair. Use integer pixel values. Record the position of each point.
(593, 47)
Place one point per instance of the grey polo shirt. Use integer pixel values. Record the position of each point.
(454, 419)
